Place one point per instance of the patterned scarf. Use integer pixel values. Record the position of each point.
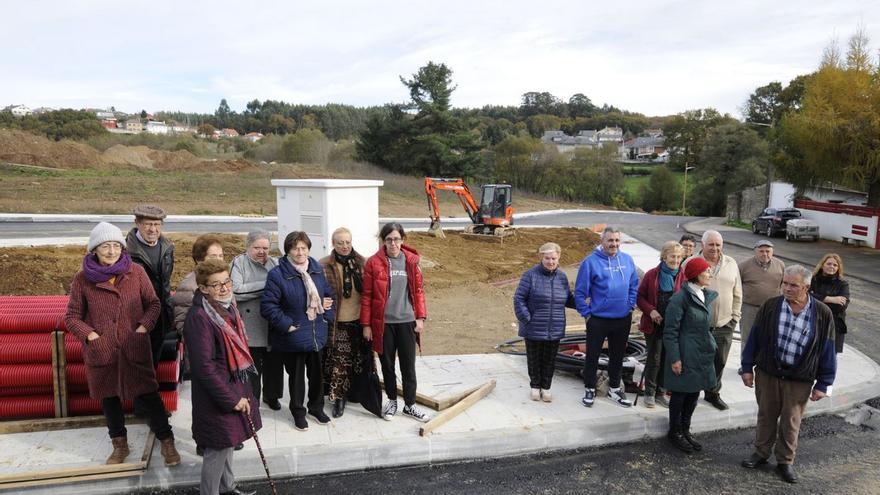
(238, 356)
(314, 304)
(351, 275)
(96, 273)
(667, 277)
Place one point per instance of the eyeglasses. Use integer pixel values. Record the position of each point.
(110, 246)
(218, 285)
(394, 240)
(342, 243)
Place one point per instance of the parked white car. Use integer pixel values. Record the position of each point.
(798, 228)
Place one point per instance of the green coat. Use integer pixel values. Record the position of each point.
(686, 337)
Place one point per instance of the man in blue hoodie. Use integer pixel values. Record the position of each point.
(605, 295)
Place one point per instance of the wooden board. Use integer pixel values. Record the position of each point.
(71, 475)
(458, 408)
(53, 424)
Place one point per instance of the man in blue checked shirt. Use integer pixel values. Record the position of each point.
(789, 358)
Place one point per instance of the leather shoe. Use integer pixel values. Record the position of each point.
(716, 401)
(787, 473)
(339, 408)
(240, 492)
(273, 404)
(753, 461)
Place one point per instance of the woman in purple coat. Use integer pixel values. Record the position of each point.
(220, 363)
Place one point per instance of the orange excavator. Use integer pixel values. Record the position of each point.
(492, 216)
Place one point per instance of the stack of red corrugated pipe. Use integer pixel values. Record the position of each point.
(27, 390)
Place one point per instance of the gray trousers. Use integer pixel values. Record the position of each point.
(749, 313)
(217, 472)
(724, 339)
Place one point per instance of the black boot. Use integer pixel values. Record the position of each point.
(675, 438)
(339, 408)
(686, 434)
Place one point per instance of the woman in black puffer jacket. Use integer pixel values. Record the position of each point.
(829, 287)
(539, 303)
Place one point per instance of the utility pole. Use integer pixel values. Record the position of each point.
(769, 167)
(684, 193)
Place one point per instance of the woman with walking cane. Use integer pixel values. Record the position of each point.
(223, 408)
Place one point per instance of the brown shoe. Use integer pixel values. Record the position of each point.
(169, 452)
(120, 450)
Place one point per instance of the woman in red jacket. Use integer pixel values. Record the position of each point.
(112, 309)
(657, 287)
(393, 313)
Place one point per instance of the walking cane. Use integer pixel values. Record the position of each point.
(260, 450)
(639, 390)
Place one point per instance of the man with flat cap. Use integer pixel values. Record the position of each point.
(761, 277)
(155, 253)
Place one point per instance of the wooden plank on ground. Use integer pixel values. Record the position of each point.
(445, 416)
(423, 399)
(53, 424)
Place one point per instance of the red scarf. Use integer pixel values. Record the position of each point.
(238, 356)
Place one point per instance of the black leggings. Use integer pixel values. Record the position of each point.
(153, 407)
(681, 408)
(399, 339)
(616, 330)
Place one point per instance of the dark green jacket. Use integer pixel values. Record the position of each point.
(687, 338)
(160, 276)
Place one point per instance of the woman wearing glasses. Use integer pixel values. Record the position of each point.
(298, 304)
(393, 314)
(220, 364)
(248, 273)
(112, 309)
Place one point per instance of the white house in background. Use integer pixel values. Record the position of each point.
(19, 110)
(134, 126)
(42, 110)
(156, 127)
(179, 128)
(253, 136)
(105, 114)
(567, 144)
(610, 135)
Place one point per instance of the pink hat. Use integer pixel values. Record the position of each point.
(694, 267)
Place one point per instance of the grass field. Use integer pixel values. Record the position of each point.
(633, 185)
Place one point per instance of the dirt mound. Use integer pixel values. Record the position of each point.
(144, 157)
(30, 149)
(136, 156)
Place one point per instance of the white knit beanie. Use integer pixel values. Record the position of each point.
(104, 232)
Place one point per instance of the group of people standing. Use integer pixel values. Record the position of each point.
(792, 323)
(243, 325)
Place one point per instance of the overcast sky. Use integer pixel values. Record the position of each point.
(655, 57)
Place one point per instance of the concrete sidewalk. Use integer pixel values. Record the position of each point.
(504, 423)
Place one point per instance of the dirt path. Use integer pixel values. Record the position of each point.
(469, 283)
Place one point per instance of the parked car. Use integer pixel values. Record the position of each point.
(799, 228)
(772, 220)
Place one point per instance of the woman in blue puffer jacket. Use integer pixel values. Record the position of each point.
(539, 303)
(298, 302)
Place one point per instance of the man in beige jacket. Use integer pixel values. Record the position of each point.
(726, 309)
(761, 277)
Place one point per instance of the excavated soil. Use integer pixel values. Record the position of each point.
(469, 283)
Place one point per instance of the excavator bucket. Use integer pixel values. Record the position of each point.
(436, 230)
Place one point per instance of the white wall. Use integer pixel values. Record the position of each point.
(781, 195)
(320, 206)
(834, 225)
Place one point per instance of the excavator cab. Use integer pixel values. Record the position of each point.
(494, 204)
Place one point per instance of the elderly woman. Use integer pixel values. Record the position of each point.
(220, 364)
(207, 246)
(298, 304)
(829, 287)
(690, 351)
(112, 309)
(248, 273)
(539, 303)
(393, 313)
(344, 269)
(657, 287)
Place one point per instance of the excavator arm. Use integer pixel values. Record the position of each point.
(458, 186)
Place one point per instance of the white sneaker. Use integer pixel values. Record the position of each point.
(389, 410)
(619, 396)
(536, 394)
(415, 413)
(546, 396)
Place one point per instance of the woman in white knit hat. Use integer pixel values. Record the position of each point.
(112, 309)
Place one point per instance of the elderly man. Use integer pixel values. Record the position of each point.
(605, 295)
(761, 277)
(788, 358)
(155, 253)
(726, 309)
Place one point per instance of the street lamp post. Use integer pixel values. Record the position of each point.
(684, 193)
(769, 166)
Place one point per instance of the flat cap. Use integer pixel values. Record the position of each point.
(149, 211)
(762, 242)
